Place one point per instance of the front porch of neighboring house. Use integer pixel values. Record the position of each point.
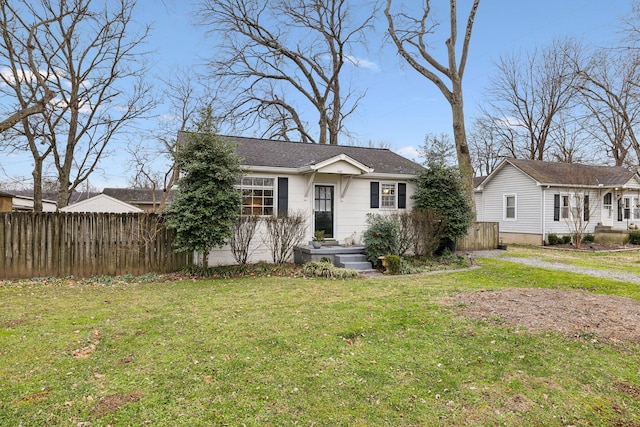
(620, 213)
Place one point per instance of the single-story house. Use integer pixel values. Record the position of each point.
(14, 202)
(102, 203)
(531, 199)
(334, 186)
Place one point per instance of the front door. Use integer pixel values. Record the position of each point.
(323, 209)
(607, 210)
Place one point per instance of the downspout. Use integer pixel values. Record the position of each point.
(544, 210)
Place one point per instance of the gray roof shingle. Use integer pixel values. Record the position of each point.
(285, 154)
(573, 173)
(135, 195)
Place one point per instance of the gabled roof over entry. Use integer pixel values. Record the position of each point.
(568, 174)
(341, 164)
(300, 157)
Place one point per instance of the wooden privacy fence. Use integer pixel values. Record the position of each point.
(481, 236)
(85, 244)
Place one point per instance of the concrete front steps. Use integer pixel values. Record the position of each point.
(341, 256)
(356, 262)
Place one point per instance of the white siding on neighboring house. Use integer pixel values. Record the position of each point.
(510, 181)
(479, 200)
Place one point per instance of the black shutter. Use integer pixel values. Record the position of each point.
(375, 195)
(283, 196)
(556, 207)
(586, 207)
(402, 196)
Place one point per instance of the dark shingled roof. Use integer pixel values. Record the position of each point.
(52, 196)
(284, 154)
(135, 195)
(573, 173)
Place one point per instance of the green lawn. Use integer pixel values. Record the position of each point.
(293, 351)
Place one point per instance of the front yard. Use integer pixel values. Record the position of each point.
(293, 351)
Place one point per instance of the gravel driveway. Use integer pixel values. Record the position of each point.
(605, 274)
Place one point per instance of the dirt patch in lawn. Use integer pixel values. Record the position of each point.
(114, 402)
(574, 313)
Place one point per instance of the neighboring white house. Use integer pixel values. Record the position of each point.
(334, 186)
(531, 199)
(102, 203)
(14, 202)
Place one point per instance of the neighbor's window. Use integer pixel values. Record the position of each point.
(387, 196)
(565, 208)
(627, 207)
(510, 206)
(257, 195)
(607, 205)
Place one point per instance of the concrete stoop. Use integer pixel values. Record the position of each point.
(356, 262)
(342, 256)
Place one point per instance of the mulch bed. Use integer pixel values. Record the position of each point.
(573, 313)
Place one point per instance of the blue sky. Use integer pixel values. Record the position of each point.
(400, 106)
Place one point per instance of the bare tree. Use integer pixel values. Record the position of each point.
(610, 92)
(29, 71)
(153, 165)
(409, 33)
(580, 209)
(282, 53)
(528, 94)
(91, 58)
(570, 141)
(485, 145)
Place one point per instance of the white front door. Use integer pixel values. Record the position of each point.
(608, 212)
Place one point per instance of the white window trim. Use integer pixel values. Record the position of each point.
(274, 189)
(575, 209)
(569, 207)
(395, 195)
(515, 207)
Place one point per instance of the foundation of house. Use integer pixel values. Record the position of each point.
(605, 234)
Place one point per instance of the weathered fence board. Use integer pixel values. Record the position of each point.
(85, 244)
(481, 236)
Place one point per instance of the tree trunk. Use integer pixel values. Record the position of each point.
(460, 139)
(205, 259)
(37, 184)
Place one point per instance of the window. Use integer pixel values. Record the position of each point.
(565, 209)
(627, 208)
(257, 195)
(607, 206)
(387, 196)
(510, 207)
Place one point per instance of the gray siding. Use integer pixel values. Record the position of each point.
(510, 180)
(568, 226)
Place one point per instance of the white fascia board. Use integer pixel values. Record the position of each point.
(271, 169)
(387, 176)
